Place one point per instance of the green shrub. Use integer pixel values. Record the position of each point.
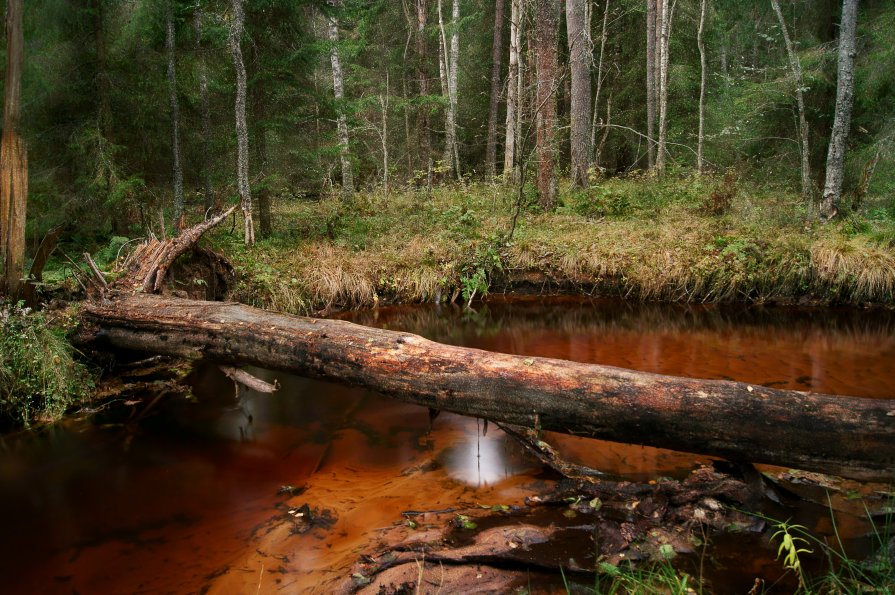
(39, 378)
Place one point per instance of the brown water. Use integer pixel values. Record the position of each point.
(185, 499)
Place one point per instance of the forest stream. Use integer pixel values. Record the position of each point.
(200, 494)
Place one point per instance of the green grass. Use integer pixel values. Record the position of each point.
(39, 377)
(679, 238)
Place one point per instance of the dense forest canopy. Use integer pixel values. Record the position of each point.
(413, 84)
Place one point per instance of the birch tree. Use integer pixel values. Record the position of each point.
(845, 91)
(493, 106)
(546, 22)
(425, 138)
(339, 93)
(650, 80)
(13, 158)
(796, 67)
(450, 54)
(242, 131)
(700, 41)
(580, 57)
(170, 54)
(664, 16)
(514, 83)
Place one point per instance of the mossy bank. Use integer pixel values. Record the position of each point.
(707, 239)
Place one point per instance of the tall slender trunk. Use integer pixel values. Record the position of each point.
(425, 135)
(546, 23)
(175, 117)
(700, 41)
(596, 110)
(493, 107)
(242, 131)
(259, 143)
(663, 24)
(449, 54)
(651, 80)
(513, 85)
(845, 91)
(13, 158)
(341, 121)
(383, 134)
(796, 67)
(580, 57)
(205, 107)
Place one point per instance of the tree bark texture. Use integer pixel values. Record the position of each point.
(650, 81)
(663, 25)
(342, 121)
(513, 85)
(13, 158)
(546, 23)
(796, 67)
(422, 56)
(700, 41)
(580, 57)
(846, 436)
(242, 130)
(205, 107)
(845, 92)
(450, 54)
(177, 167)
(494, 105)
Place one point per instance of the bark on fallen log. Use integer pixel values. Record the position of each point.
(845, 436)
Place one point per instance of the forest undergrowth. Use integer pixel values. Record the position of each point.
(695, 238)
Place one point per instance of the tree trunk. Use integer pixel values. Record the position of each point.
(650, 80)
(663, 25)
(175, 117)
(796, 67)
(513, 85)
(493, 107)
(845, 91)
(580, 57)
(205, 107)
(845, 436)
(13, 159)
(701, 43)
(425, 137)
(546, 22)
(242, 131)
(341, 122)
(450, 54)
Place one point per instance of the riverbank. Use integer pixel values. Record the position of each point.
(679, 239)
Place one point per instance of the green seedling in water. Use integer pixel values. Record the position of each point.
(792, 545)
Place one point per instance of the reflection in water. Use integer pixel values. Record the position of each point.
(179, 501)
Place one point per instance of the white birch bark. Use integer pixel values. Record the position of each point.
(341, 120)
(663, 24)
(845, 91)
(596, 110)
(651, 63)
(448, 67)
(513, 84)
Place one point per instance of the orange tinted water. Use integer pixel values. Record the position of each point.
(186, 498)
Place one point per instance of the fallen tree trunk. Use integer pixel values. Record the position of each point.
(845, 436)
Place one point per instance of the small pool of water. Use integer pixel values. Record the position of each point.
(185, 498)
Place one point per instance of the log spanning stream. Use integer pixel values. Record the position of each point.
(183, 496)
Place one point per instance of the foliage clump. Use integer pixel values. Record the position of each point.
(39, 377)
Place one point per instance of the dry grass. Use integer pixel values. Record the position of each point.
(643, 239)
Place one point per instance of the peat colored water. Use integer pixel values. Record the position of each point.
(183, 497)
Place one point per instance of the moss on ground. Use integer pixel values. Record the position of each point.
(683, 239)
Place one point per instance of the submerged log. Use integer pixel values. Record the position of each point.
(846, 436)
